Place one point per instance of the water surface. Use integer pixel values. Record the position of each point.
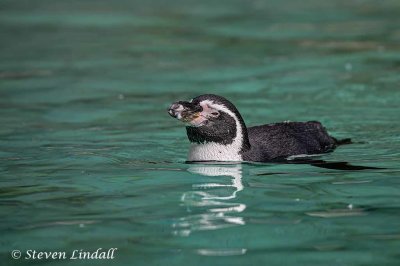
(90, 159)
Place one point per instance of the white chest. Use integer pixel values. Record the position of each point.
(214, 152)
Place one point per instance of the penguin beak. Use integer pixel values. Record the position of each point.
(185, 111)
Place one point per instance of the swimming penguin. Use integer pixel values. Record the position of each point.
(217, 132)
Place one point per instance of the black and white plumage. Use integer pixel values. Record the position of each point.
(217, 132)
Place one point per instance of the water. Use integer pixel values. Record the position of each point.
(90, 159)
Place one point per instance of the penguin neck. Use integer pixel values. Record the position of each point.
(231, 150)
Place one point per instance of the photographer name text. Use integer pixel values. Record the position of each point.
(77, 254)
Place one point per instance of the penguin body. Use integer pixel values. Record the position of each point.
(217, 132)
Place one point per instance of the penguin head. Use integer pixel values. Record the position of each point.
(211, 118)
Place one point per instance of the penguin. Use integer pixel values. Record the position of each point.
(217, 132)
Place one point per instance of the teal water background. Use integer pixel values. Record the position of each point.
(90, 159)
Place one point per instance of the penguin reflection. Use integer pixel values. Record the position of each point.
(212, 205)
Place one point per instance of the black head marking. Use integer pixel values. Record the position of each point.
(221, 128)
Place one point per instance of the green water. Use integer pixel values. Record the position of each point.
(90, 159)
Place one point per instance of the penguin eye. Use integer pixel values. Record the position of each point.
(215, 114)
